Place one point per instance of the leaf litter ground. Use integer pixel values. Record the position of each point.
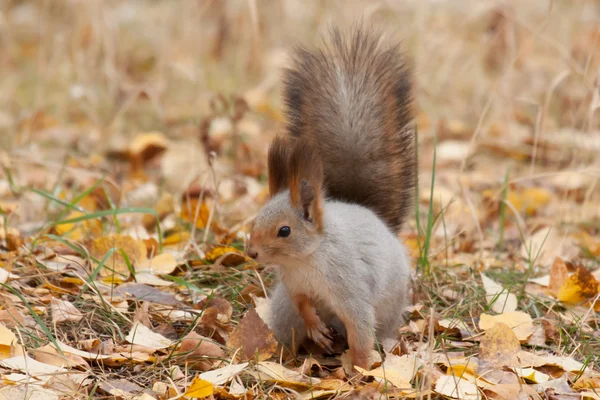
(133, 161)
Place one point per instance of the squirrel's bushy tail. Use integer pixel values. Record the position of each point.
(352, 99)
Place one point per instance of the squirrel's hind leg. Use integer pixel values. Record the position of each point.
(360, 333)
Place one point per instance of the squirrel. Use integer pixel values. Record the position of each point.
(340, 183)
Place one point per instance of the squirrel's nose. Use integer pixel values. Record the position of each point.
(253, 253)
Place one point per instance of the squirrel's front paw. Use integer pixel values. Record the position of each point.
(320, 334)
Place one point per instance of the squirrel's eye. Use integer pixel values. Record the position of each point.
(284, 231)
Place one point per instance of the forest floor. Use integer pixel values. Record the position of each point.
(133, 140)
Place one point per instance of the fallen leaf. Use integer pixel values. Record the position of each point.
(64, 311)
(579, 287)
(162, 264)
(27, 391)
(49, 355)
(191, 211)
(200, 352)
(223, 375)
(558, 276)
(229, 256)
(120, 388)
(148, 278)
(7, 342)
(518, 321)
(40, 371)
(253, 337)
(148, 293)
(143, 336)
(456, 388)
(116, 264)
(199, 388)
(499, 298)
(148, 144)
(499, 347)
(532, 375)
(397, 370)
(78, 231)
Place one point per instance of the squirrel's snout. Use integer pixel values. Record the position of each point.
(252, 253)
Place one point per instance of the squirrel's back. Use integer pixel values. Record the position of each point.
(352, 100)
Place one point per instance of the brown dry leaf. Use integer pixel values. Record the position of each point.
(499, 347)
(518, 321)
(558, 275)
(147, 145)
(148, 293)
(120, 388)
(143, 336)
(253, 337)
(200, 352)
(580, 286)
(64, 311)
(162, 264)
(115, 264)
(49, 355)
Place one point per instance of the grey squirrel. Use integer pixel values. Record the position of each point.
(341, 183)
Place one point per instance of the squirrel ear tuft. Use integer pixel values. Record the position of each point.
(306, 182)
(277, 167)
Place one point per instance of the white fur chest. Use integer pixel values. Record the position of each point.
(305, 279)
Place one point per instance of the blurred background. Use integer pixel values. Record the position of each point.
(149, 93)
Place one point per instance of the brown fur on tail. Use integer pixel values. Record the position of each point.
(352, 102)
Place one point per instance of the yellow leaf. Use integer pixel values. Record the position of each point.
(579, 287)
(116, 264)
(7, 340)
(176, 238)
(199, 388)
(518, 321)
(398, 370)
(189, 211)
(162, 264)
(529, 200)
(235, 256)
(78, 230)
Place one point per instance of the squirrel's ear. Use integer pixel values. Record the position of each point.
(277, 167)
(306, 182)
